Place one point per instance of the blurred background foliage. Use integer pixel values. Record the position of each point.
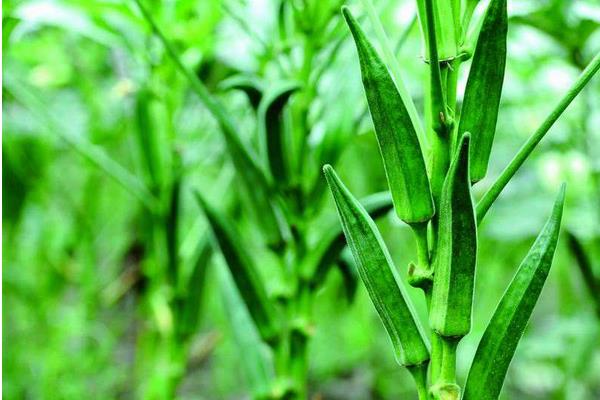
(82, 302)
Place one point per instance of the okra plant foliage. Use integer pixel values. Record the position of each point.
(432, 191)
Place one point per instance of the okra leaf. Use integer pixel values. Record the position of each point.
(484, 87)
(250, 85)
(272, 129)
(398, 142)
(255, 363)
(500, 339)
(379, 275)
(243, 271)
(349, 275)
(190, 297)
(456, 253)
(329, 246)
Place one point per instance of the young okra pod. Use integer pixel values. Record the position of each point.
(379, 275)
(500, 339)
(484, 87)
(396, 135)
(455, 257)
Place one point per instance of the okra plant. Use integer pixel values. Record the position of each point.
(432, 192)
(279, 180)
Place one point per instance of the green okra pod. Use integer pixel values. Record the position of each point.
(500, 339)
(398, 142)
(456, 253)
(243, 271)
(379, 275)
(484, 87)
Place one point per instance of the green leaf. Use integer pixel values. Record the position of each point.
(349, 275)
(455, 257)
(331, 243)
(379, 275)
(398, 142)
(500, 339)
(254, 360)
(189, 300)
(243, 271)
(250, 85)
(484, 87)
(272, 129)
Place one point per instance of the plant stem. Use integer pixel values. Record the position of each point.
(494, 191)
(420, 234)
(445, 387)
(419, 374)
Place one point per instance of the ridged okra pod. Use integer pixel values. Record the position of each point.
(379, 275)
(400, 149)
(455, 257)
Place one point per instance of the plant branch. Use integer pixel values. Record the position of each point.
(494, 191)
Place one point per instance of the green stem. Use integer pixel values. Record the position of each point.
(448, 366)
(494, 191)
(420, 233)
(438, 109)
(445, 387)
(419, 374)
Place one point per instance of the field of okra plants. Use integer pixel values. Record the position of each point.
(301, 199)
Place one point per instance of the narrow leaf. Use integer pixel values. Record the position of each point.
(379, 275)
(500, 339)
(349, 275)
(243, 271)
(484, 87)
(330, 245)
(250, 85)
(189, 300)
(255, 362)
(455, 257)
(272, 129)
(398, 142)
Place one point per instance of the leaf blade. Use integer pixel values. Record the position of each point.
(272, 130)
(243, 271)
